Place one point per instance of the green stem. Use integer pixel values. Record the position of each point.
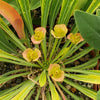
(51, 41)
(54, 46)
(43, 46)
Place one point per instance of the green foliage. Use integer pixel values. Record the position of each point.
(34, 4)
(54, 93)
(98, 95)
(88, 26)
(51, 52)
(42, 79)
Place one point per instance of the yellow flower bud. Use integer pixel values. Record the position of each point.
(60, 31)
(75, 38)
(39, 35)
(31, 55)
(55, 72)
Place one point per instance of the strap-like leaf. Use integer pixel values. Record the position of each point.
(13, 17)
(5, 79)
(42, 79)
(70, 93)
(54, 93)
(24, 92)
(94, 5)
(66, 10)
(4, 56)
(54, 8)
(45, 6)
(25, 8)
(90, 93)
(15, 40)
(20, 93)
(95, 79)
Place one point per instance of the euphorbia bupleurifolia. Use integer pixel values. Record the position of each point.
(44, 52)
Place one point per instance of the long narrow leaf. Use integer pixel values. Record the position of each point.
(5, 79)
(25, 8)
(24, 92)
(66, 10)
(90, 93)
(54, 93)
(16, 41)
(71, 94)
(16, 92)
(54, 8)
(95, 79)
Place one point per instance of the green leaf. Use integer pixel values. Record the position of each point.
(54, 93)
(54, 8)
(70, 93)
(25, 63)
(42, 79)
(25, 8)
(38, 94)
(80, 4)
(94, 5)
(88, 27)
(20, 93)
(12, 72)
(90, 93)
(5, 44)
(5, 79)
(16, 41)
(34, 4)
(88, 63)
(67, 8)
(6, 91)
(98, 95)
(30, 94)
(90, 7)
(24, 92)
(4, 56)
(88, 3)
(95, 79)
(98, 12)
(45, 7)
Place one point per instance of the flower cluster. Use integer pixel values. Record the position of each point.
(60, 31)
(33, 55)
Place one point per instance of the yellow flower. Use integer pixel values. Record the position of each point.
(31, 55)
(39, 35)
(55, 72)
(60, 31)
(75, 38)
